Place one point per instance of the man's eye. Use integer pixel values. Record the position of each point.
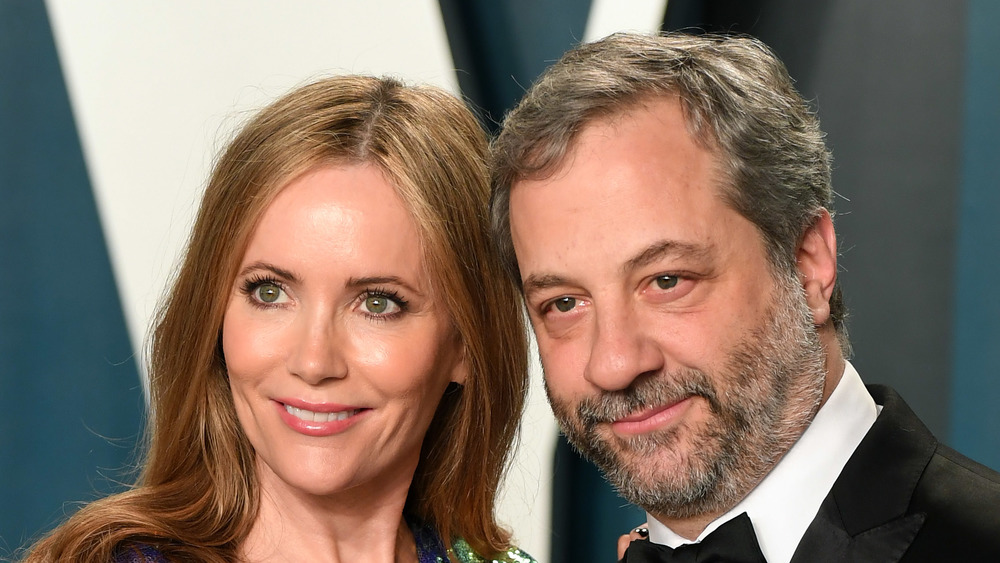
(666, 282)
(564, 304)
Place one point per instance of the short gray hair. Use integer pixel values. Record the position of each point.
(738, 101)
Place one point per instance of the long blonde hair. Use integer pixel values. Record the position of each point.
(197, 496)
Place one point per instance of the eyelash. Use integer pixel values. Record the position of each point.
(674, 277)
(250, 285)
(547, 306)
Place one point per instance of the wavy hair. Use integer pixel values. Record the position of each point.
(197, 496)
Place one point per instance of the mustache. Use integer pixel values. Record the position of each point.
(651, 390)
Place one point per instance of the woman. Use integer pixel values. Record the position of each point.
(339, 368)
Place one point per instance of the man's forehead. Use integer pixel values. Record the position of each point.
(547, 159)
(663, 113)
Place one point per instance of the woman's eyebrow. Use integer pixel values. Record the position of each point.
(261, 265)
(367, 281)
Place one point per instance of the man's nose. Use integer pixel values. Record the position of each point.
(621, 351)
(318, 348)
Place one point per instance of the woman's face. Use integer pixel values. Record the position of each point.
(337, 349)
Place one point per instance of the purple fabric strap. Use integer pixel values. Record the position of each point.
(430, 548)
(139, 553)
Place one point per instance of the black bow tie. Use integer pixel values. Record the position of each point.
(732, 542)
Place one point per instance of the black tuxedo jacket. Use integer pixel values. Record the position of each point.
(903, 497)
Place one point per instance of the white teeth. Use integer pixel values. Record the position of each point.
(310, 416)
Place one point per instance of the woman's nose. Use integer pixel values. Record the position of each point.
(317, 348)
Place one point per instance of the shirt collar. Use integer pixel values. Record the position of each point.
(784, 504)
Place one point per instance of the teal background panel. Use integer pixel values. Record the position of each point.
(975, 406)
(500, 47)
(71, 402)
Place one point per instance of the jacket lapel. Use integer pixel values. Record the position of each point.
(864, 518)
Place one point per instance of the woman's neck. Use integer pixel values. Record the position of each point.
(294, 526)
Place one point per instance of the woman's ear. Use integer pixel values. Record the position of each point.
(816, 260)
(460, 371)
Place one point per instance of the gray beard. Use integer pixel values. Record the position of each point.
(760, 404)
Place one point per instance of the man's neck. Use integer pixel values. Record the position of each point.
(690, 528)
(834, 362)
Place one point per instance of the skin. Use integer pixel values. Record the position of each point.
(625, 539)
(333, 310)
(636, 272)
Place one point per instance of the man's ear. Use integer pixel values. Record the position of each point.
(816, 259)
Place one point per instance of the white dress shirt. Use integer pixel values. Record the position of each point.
(784, 504)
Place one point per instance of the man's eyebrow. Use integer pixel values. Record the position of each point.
(663, 249)
(656, 251)
(536, 282)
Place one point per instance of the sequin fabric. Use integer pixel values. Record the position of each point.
(464, 554)
(430, 549)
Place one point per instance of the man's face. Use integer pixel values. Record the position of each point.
(675, 357)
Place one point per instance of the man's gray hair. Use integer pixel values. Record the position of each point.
(738, 101)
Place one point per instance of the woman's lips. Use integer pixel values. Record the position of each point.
(318, 419)
(652, 419)
(314, 416)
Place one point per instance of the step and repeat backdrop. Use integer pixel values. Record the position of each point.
(112, 112)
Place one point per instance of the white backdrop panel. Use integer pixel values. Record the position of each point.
(158, 88)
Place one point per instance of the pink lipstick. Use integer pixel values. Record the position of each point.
(323, 419)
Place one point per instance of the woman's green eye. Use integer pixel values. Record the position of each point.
(382, 304)
(565, 304)
(666, 282)
(268, 293)
(376, 304)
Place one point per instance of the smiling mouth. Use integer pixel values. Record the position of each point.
(653, 419)
(310, 416)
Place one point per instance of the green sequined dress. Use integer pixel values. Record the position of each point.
(430, 549)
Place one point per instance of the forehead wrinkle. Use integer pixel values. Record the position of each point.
(665, 249)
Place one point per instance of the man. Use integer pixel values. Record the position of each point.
(664, 203)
